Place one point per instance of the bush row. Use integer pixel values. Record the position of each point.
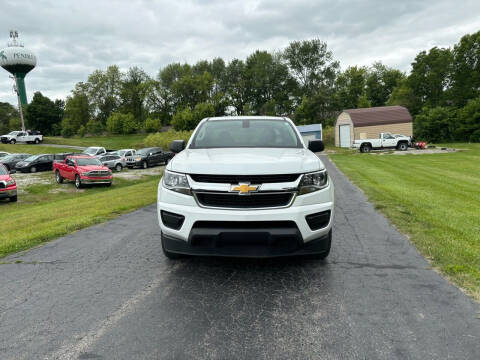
(163, 139)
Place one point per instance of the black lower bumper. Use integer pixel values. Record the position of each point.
(254, 242)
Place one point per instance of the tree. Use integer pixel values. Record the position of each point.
(267, 79)
(314, 110)
(311, 64)
(363, 102)
(77, 112)
(350, 86)
(380, 82)
(236, 85)
(403, 95)
(8, 114)
(188, 119)
(435, 124)
(43, 114)
(133, 92)
(467, 127)
(465, 71)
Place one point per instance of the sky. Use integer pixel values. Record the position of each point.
(71, 39)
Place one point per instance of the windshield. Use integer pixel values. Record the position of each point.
(91, 151)
(88, 161)
(144, 151)
(3, 171)
(13, 133)
(245, 133)
(30, 158)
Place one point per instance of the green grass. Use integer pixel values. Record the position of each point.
(434, 199)
(32, 149)
(109, 142)
(47, 211)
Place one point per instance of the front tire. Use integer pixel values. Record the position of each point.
(37, 141)
(118, 168)
(78, 182)
(402, 147)
(13, 198)
(144, 165)
(58, 177)
(365, 148)
(13, 141)
(33, 169)
(168, 254)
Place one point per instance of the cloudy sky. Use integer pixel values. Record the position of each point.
(73, 38)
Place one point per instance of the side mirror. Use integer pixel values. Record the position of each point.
(177, 145)
(316, 146)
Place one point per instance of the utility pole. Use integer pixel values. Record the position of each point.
(20, 109)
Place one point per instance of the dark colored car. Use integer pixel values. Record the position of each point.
(11, 160)
(3, 154)
(35, 163)
(149, 157)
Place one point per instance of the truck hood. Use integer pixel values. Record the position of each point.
(5, 178)
(245, 161)
(88, 168)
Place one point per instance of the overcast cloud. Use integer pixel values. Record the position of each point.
(73, 38)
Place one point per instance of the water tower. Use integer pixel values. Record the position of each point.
(19, 62)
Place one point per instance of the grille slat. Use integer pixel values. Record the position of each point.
(252, 179)
(244, 201)
(98, 173)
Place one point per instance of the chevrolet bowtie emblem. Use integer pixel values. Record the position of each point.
(244, 188)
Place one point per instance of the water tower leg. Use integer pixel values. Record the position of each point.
(19, 98)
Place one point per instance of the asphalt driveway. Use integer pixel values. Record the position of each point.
(107, 292)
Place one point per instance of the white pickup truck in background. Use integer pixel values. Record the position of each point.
(384, 141)
(28, 136)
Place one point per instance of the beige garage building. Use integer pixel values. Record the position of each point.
(367, 123)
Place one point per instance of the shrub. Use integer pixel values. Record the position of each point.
(435, 124)
(188, 119)
(81, 131)
(151, 125)
(468, 124)
(129, 125)
(95, 127)
(163, 139)
(115, 123)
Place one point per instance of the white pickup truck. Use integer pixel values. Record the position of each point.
(246, 186)
(30, 137)
(384, 141)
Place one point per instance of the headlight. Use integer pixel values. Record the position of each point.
(176, 182)
(313, 181)
(138, 159)
(11, 182)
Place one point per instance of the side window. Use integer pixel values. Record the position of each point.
(70, 162)
(128, 153)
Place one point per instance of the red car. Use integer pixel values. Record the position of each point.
(83, 170)
(8, 187)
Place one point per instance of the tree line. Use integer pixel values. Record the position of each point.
(303, 81)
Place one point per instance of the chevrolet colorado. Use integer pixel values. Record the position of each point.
(246, 186)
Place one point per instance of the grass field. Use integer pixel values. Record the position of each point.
(109, 142)
(47, 210)
(32, 149)
(434, 199)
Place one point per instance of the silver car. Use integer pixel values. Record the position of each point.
(113, 161)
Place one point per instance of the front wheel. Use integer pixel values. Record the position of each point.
(118, 167)
(365, 148)
(78, 182)
(13, 198)
(33, 169)
(37, 141)
(145, 165)
(13, 141)
(402, 147)
(58, 177)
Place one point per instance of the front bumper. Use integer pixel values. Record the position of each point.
(134, 164)
(8, 192)
(261, 241)
(90, 181)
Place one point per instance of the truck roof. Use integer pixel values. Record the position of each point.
(248, 117)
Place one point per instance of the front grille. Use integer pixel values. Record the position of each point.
(98, 173)
(252, 179)
(259, 200)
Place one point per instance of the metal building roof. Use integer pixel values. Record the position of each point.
(379, 115)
